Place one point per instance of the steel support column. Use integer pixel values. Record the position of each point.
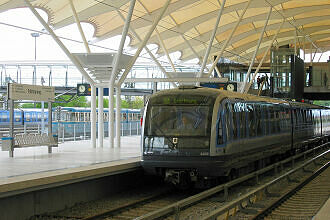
(147, 49)
(255, 52)
(186, 41)
(75, 16)
(100, 118)
(264, 57)
(143, 43)
(93, 116)
(207, 52)
(295, 42)
(311, 54)
(304, 48)
(113, 74)
(229, 38)
(118, 118)
(60, 44)
(165, 50)
(50, 124)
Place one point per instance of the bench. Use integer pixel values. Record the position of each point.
(28, 140)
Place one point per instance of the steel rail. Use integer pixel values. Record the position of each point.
(176, 207)
(286, 196)
(246, 197)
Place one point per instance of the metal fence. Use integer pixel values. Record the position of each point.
(72, 131)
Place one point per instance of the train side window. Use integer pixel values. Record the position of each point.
(3, 116)
(123, 116)
(251, 121)
(220, 133)
(241, 113)
(259, 119)
(234, 122)
(229, 122)
(17, 116)
(272, 120)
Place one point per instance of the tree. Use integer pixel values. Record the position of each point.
(77, 101)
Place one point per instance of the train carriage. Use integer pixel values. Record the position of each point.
(197, 135)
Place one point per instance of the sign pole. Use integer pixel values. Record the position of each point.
(43, 117)
(50, 120)
(11, 127)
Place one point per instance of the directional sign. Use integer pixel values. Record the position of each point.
(31, 92)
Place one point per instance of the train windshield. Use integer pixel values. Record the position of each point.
(178, 120)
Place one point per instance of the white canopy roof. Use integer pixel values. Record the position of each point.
(195, 19)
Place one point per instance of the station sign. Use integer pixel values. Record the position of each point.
(31, 92)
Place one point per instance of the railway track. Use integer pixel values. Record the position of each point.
(241, 197)
(127, 205)
(304, 200)
(246, 197)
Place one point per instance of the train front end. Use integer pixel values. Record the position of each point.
(176, 135)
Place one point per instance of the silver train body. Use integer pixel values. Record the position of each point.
(197, 135)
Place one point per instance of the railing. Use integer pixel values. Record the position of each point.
(72, 131)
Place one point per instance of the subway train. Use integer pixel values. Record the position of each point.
(63, 114)
(201, 136)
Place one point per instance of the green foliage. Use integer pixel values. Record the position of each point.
(78, 101)
(105, 102)
(322, 103)
(81, 101)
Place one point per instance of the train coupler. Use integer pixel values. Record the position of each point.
(180, 177)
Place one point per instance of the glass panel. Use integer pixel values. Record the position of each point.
(178, 120)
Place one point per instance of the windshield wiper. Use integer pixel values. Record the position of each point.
(162, 133)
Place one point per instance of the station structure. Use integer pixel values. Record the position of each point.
(241, 31)
(233, 40)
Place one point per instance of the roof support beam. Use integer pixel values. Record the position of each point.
(320, 57)
(311, 54)
(113, 76)
(291, 23)
(59, 42)
(229, 38)
(147, 49)
(165, 50)
(315, 53)
(186, 41)
(143, 43)
(93, 94)
(75, 16)
(178, 79)
(255, 52)
(212, 38)
(264, 57)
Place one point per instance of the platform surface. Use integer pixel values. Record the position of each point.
(71, 154)
(324, 212)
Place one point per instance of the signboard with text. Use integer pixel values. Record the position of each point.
(31, 92)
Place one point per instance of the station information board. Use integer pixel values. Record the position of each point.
(31, 92)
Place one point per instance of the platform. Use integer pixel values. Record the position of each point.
(324, 212)
(67, 155)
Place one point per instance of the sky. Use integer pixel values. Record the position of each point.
(17, 44)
